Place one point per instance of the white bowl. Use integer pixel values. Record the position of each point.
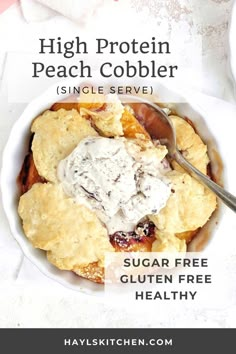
(17, 147)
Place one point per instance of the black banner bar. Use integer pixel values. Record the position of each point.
(63, 341)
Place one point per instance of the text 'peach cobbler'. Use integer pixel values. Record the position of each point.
(95, 182)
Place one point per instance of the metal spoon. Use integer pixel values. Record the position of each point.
(159, 126)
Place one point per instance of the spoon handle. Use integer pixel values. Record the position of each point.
(225, 196)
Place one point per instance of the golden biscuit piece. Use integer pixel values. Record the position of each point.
(107, 122)
(167, 242)
(92, 271)
(56, 134)
(71, 233)
(146, 150)
(190, 144)
(189, 207)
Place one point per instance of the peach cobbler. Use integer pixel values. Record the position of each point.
(95, 182)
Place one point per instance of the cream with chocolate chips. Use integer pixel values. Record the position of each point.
(116, 180)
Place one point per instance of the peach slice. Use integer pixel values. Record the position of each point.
(131, 126)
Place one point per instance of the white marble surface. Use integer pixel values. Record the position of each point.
(28, 298)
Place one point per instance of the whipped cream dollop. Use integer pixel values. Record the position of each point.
(116, 180)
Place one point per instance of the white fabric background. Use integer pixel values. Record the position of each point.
(28, 298)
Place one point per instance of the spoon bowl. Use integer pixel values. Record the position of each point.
(159, 126)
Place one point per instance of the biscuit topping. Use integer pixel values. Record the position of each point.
(117, 179)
